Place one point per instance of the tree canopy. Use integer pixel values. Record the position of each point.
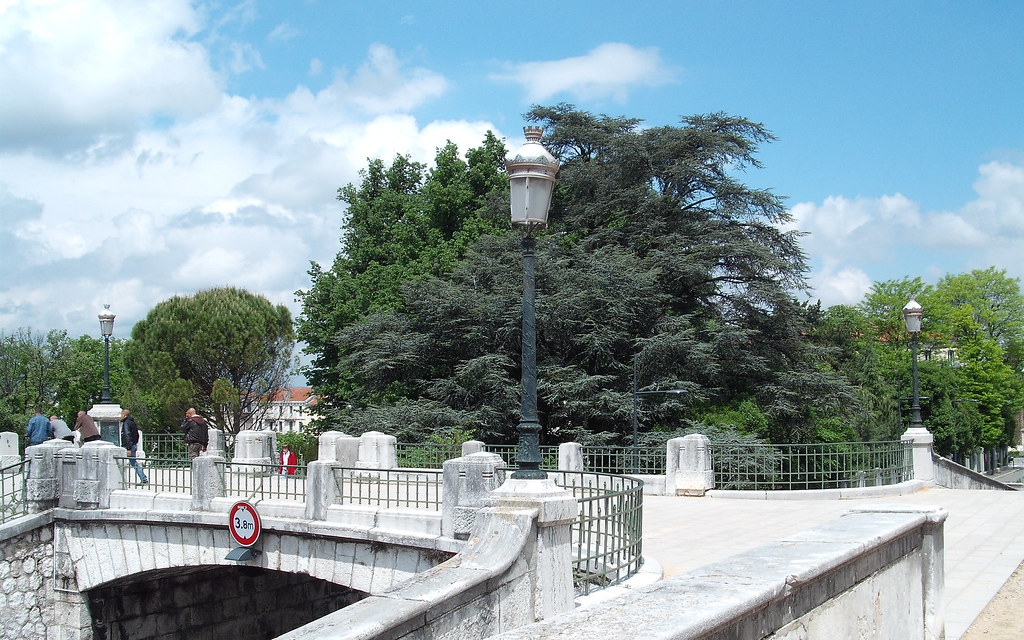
(656, 254)
(222, 350)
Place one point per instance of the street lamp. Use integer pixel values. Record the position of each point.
(107, 329)
(531, 179)
(912, 316)
(636, 393)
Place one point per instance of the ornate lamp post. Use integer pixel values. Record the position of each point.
(912, 314)
(107, 329)
(636, 393)
(531, 177)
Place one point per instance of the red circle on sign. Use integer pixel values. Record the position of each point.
(244, 524)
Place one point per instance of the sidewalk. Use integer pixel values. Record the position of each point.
(984, 536)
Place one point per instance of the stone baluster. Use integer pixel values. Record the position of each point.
(688, 470)
(467, 482)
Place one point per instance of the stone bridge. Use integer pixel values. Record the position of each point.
(95, 560)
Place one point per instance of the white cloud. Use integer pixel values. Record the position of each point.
(238, 192)
(607, 71)
(74, 72)
(859, 241)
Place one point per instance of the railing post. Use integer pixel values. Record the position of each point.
(42, 487)
(921, 445)
(97, 475)
(469, 447)
(207, 481)
(377, 451)
(570, 456)
(321, 489)
(688, 470)
(550, 553)
(467, 482)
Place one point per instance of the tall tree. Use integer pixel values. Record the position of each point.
(657, 254)
(194, 348)
(404, 222)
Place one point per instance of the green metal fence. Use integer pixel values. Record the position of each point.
(166, 475)
(650, 460)
(787, 467)
(607, 535)
(251, 480)
(12, 490)
(413, 489)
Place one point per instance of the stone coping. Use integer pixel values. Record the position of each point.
(852, 493)
(710, 601)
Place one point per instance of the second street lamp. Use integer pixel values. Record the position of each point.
(636, 422)
(531, 177)
(106, 330)
(912, 314)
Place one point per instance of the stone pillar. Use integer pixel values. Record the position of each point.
(42, 487)
(253, 452)
(921, 446)
(688, 470)
(467, 482)
(377, 451)
(321, 489)
(338, 447)
(551, 556)
(96, 474)
(215, 447)
(469, 447)
(108, 421)
(9, 449)
(570, 456)
(207, 481)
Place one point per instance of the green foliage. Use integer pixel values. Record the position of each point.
(206, 351)
(305, 445)
(656, 251)
(404, 223)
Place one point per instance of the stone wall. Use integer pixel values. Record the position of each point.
(25, 589)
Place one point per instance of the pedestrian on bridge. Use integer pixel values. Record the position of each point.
(288, 461)
(196, 431)
(38, 429)
(130, 441)
(61, 429)
(86, 427)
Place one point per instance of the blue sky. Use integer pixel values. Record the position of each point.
(152, 148)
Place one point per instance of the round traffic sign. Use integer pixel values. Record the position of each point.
(244, 524)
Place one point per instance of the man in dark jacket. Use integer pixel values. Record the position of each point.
(130, 441)
(196, 434)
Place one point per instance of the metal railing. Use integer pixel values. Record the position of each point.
(788, 467)
(166, 475)
(651, 460)
(264, 481)
(510, 452)
(12, 490)
(426, 455)
(172, 445)
(607, 535)
(410, 488)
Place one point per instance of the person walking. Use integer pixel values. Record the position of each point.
(130, 441)
(61, 429)
(196, 433)
(288, 461)
(86, 427)
(38, 429)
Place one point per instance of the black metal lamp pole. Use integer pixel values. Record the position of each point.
(636, 394)
(531, 177)
(106, 329)
(912, 314)
(529, 425)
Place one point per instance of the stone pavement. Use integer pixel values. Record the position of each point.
(984, 536)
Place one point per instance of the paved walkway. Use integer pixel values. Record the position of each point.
(984, 536)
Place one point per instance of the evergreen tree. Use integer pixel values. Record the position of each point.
(657, 254)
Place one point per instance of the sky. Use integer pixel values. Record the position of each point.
(152, 148)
